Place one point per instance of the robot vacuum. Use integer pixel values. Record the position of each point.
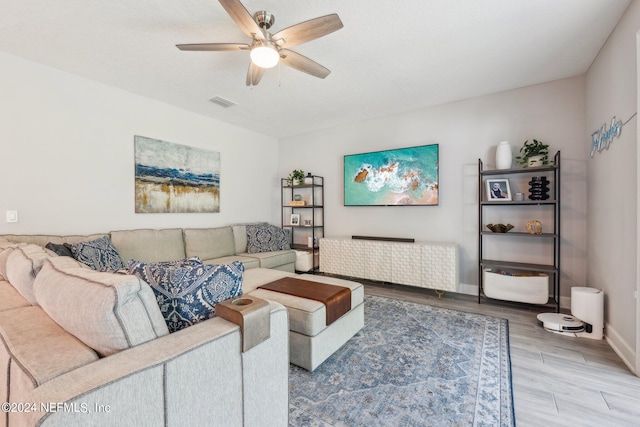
(560, 323)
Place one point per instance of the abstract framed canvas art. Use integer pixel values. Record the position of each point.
(174, 178)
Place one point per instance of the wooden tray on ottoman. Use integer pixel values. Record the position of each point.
(337, 299)
(311, 338)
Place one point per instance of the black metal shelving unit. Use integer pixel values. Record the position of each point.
(313, 211)
(553, 269)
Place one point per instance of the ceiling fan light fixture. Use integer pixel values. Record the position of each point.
(268, 50)
(264, 55)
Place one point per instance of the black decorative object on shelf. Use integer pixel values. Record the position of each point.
(539, 188)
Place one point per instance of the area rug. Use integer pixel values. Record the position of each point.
(411, 365)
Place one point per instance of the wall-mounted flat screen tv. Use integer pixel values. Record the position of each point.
(398, 177)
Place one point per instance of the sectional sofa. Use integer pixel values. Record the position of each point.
(86, 347)
(219, 245)
(83, 347)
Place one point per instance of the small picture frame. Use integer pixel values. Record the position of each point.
(295, 219)
(498, 190)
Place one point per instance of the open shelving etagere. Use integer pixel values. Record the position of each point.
(553, 269)
(313, 211)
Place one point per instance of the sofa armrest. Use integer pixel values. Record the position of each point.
(197, 375)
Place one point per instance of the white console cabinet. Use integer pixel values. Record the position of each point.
(422, 264)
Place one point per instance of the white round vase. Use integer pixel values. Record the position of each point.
(504, 157)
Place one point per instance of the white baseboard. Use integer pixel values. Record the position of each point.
(621, 347)
(467, 289)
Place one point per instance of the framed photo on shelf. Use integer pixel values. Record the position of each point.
(295, 219)
(498, 189)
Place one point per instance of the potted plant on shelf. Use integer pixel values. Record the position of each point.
(533, 154)
(296, 177)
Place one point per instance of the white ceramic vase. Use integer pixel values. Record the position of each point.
(504, 157)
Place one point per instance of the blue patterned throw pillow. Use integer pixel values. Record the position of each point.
(194, 260)
(266, 238)
(187, 293)
(99, 254)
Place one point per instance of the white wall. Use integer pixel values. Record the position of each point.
(66, 149)
(612, 182)
(465, 131)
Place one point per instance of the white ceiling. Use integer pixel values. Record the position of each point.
(390, 57)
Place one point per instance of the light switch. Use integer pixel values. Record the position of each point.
(12, 216)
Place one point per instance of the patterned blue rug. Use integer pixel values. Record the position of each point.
(411, 365)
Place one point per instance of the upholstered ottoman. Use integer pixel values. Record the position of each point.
(311, 341)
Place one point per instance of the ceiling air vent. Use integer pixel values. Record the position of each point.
(222, 102)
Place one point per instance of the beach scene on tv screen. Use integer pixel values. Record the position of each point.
(403, 176)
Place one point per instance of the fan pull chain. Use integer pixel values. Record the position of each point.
(279, 73)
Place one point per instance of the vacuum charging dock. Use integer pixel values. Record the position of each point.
(586, 318)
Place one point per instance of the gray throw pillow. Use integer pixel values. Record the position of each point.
(61, 250)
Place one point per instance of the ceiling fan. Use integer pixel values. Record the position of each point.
(268, 49)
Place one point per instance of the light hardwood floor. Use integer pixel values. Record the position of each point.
(557, 380)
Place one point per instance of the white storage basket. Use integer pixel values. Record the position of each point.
(304, 261)
(531, 288)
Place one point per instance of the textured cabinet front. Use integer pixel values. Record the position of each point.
(333, 260)
(422, 264)
(440, 266)
(377, 263)
(406, 264)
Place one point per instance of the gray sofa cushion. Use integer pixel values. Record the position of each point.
(108, 312)
(23, 264)
(208, 243)
(4, 243)
(43, 239)
(44, 350)
(274, 259)
(10, 298)
(240, 237)
(249, 262)
(149, 245)
(5, 251)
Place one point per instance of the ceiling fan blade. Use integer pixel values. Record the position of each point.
(254, 74)
(218, 47)
(302, 63)
(243, 18)
(309, 30)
